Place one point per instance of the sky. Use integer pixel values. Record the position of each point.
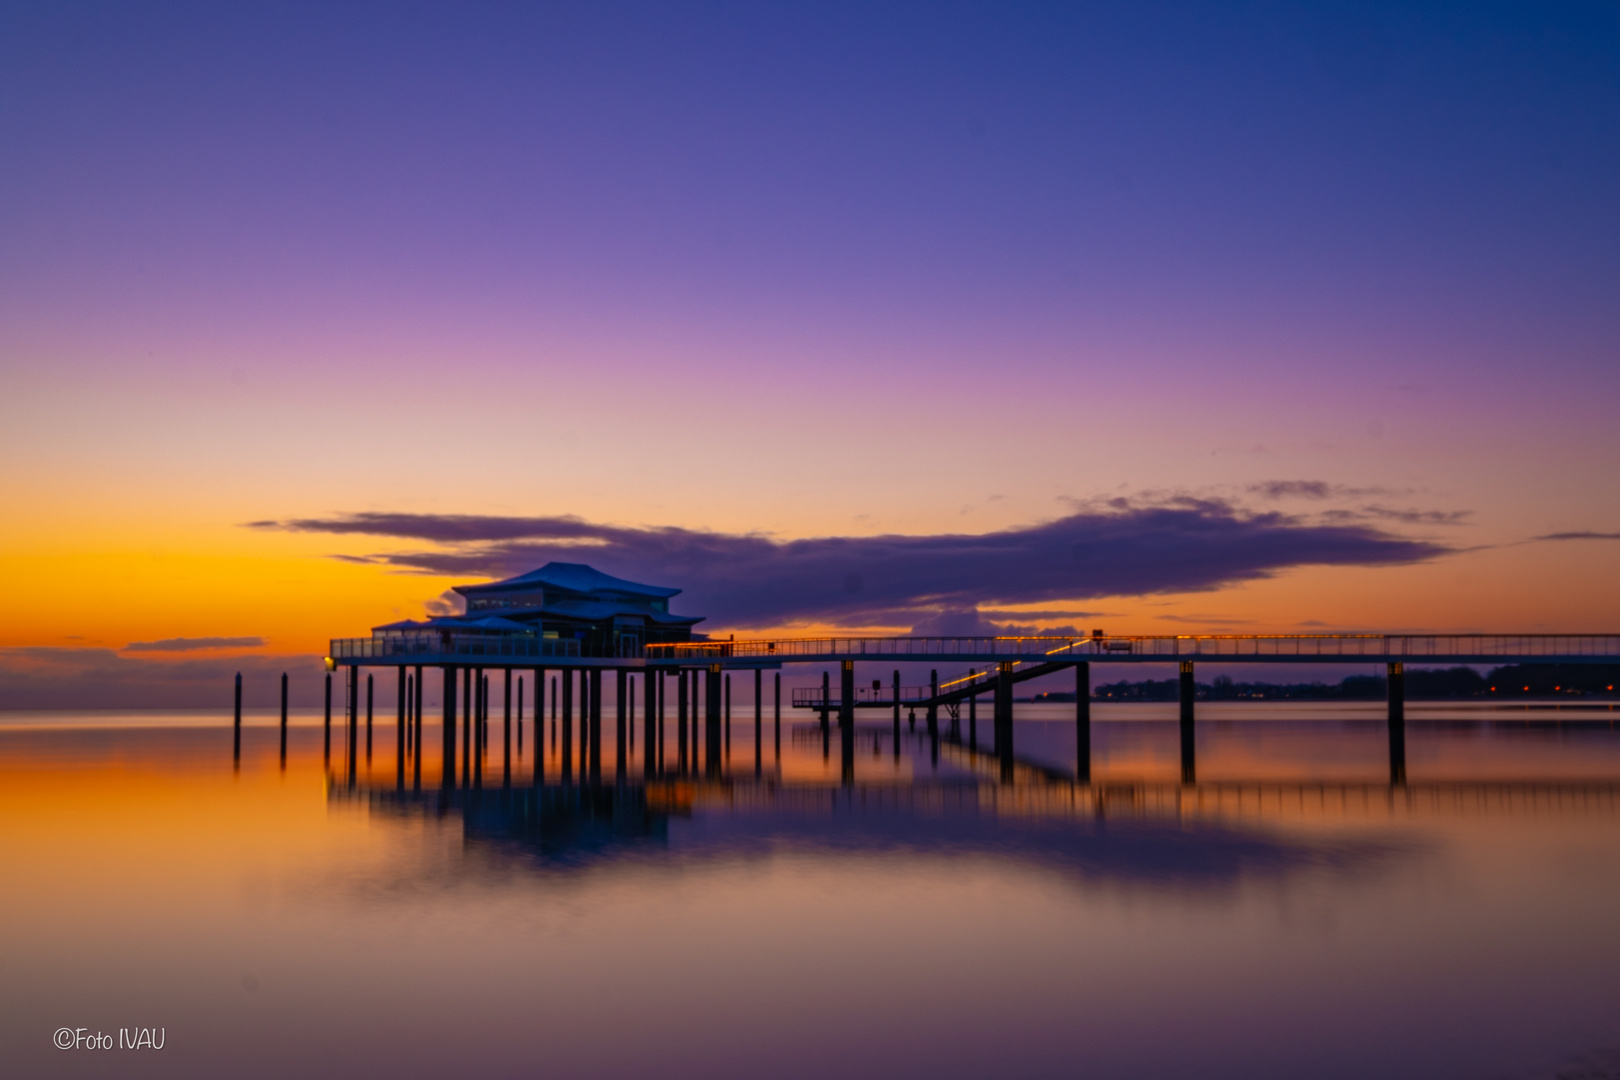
(1160, 318)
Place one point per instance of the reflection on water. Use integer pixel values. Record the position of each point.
(1291, 913)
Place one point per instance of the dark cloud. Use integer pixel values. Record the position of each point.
(1580, 536)
(1187, 544)
(193, 644)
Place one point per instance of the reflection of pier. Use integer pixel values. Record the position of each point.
(1157, 833)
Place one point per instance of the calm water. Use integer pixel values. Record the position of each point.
(1289, 915)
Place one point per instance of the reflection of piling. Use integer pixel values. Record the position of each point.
(1189, 691)
(1396, 674)
(1082, 722)
(236, 725)
(283, 719)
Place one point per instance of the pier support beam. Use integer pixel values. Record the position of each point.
(354, 722)
(933, 708)
(283, 719)
(682, 762)
(1189, 690)
(236, 727)
(448, 759)
(897, 712)
(1004, 720)
(652, 685)
(402, 697)
(728, 720)
(567, 723)
(326, 758)
(1396, 674)
(621, 703)
(759, 721)
(846, 721)
(826, 701)
(480, 705)
(776, 713)
(416, 731)
(973, 710)
(1082, 722)
(596, 725)
(539, 727)
(712, 694)
(371, 698)
(506, 715)
(466, 726)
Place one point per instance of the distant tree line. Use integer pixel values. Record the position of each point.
(1509, 681)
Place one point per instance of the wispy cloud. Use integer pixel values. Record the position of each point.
(194, 644)
(743, 580)
(1579, 536)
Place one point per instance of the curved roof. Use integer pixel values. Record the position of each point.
(571, 577)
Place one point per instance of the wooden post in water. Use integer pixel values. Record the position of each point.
(682, 762)
(539, 726)
(506, 727)
(596, 725)
(369, 698)
(448, 751)
(896, 712)
(1082, 722)
(933, 705)
(479, 703)
(826, 701)
(846, 721)
(567, 724)
(728, 718)
(326, 757)
(712, 695)
(1189, 691)
(776, 713)
(1395, 673)
(236, 726)
(354, 723)
(759, 721)
(520, 718)
(416, 730)
(621, 713)
(652, 742)
(401, 697)
(973, 709)
(283, 719)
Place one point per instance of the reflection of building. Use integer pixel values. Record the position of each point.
(607, 616)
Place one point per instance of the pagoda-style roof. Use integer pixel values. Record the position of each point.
(572, 578)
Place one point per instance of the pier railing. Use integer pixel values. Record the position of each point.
(1138, 647)
(805, 697)
(395, 646)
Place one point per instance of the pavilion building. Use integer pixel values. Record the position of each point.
(607, 616)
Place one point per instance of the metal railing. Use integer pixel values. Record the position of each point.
(1372, 647)
(401, 645)
(810, 696)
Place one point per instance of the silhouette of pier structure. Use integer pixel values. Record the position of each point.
(698, 674)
